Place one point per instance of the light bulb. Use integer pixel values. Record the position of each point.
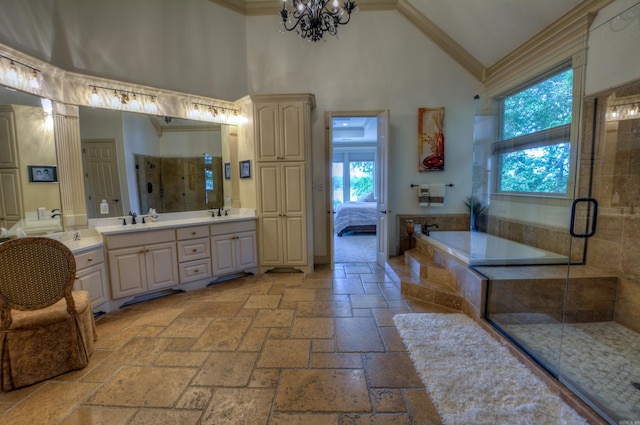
(34, 81)
(95, 97)
(12, 73)
(614, 113)
(134, 103)
(115, 100)
(151, 106)
(633, 111)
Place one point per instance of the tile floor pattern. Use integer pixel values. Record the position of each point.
(273, 349)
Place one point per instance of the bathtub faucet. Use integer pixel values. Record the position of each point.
(425, 228)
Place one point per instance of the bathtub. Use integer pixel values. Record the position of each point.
(476, 249)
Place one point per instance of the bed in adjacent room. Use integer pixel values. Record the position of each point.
(358, 216)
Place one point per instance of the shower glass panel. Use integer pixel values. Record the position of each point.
(568, 292)
(523, 180)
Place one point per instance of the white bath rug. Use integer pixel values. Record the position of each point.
(473, 379)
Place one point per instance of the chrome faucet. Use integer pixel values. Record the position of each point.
(425, 228)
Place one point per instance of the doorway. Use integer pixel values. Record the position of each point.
(356, 189)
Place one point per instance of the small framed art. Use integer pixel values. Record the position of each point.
(227, 171)
(245, 169)
(43, 173)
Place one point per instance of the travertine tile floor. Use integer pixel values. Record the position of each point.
(277, 348)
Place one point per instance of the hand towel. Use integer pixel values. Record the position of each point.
(436, 195)
(423, 195)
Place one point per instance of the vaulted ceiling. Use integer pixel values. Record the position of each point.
(476, 33)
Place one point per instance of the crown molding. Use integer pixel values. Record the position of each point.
(570, 30)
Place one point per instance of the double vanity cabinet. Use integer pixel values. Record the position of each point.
(184, 254)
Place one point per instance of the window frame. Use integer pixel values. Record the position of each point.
(547, 137)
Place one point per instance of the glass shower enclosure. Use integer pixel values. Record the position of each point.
(571, 196)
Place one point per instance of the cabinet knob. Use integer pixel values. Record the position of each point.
(195, 271)
(141, 251)
(193, 233)
(194, 250)
(76, 277)
(90, 259)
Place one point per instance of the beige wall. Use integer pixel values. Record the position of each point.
(36, 146)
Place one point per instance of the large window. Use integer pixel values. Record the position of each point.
(352, 176)
(535, 149)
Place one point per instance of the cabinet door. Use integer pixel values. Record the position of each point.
(127, 271)
(292, 131)
(222, 255)
(246, 251)
(293, 214)
(162, 265)
(295, 245)
(271, 241)
(269, 190)
(8, 151)
(10, 198)
(93, 279)
(267, 131)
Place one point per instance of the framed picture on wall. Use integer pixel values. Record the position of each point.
(227, 171)
(245, 169)
(43, 173)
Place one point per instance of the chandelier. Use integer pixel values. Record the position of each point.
(312, 18)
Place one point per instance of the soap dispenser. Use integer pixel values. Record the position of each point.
(104, 207)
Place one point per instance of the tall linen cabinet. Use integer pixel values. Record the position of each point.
(282, 143)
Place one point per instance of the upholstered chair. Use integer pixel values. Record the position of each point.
(47, 328)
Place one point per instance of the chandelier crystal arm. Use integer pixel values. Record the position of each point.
(312, 18)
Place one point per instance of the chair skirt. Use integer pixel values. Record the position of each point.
(44, 343)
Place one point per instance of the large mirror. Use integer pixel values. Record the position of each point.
(29, 189)
(135, 162)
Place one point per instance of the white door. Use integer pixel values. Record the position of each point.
(382, 180)
(100, 165)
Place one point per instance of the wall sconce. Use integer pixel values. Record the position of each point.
(20, 75)
(624, 109)
(123, 99)
(214, 113)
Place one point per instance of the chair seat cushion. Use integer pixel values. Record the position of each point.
(52, 314)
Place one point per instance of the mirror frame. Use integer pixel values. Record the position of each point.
(68, 91)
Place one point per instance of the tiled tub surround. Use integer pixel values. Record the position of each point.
(444, 222)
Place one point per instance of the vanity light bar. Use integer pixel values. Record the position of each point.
(123, 99)
(215, 113)
(624, 111)
(17, 74)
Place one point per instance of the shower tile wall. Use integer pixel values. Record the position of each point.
(616, 185)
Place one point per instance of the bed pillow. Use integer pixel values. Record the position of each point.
(367, 197)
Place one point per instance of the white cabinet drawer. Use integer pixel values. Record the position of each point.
(195, 270)
(194, 249)
(233, 227)
(192, 232)
(89, 258)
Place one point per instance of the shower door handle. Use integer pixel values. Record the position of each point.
(594, 215)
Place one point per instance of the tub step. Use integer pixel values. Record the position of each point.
(405, 271)
(425, 267)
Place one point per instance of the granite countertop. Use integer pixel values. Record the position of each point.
(169, 223)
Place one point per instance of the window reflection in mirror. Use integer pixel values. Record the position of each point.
(27, 141)
(137, 161)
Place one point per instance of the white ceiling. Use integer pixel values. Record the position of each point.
(490, 29)
(487, 29)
